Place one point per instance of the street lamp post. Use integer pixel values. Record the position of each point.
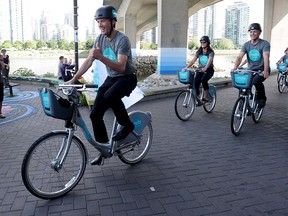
(76, 35)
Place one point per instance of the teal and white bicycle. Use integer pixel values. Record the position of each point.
(55, 163)
(186, 101)
(282, 78)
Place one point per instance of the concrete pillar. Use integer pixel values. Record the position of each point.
(172, 35)
(275, 28)
(130, 31)
(268, 19)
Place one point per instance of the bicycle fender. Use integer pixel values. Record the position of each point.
(140, 120)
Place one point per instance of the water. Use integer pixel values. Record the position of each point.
(41, 66)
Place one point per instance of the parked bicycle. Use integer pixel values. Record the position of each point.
(187, 100)
(55, 163)
(282, 78)
(246, 104)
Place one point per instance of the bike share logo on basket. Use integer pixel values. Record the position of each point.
(282, 67)
(186, 76)
(241, 79)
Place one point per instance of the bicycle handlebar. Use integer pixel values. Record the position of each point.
(67, 88)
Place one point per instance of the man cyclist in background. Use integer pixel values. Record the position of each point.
(258, 54)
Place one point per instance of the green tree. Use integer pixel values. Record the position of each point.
(193, 44)
(223, 44)
(18, 45)
(153, 46)
(89, 44)
(71, 45)
(41, 44)
(63, 44)
(7, 44)
(29, 44)
(52, 44)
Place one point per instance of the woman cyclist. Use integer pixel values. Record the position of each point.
(284, 59)
(205, 54)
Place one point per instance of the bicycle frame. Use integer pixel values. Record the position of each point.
(250, 106)
(139, 118)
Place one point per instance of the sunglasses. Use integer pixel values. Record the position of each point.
(203, 42)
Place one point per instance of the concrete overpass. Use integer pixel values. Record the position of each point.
(171, 17)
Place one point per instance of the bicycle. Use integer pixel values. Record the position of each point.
(55, 163)
(282, 78)
(187, 100)
(246, 103)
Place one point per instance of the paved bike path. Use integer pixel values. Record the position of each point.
(197, 167)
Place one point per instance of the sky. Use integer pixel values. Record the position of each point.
(87, 8)
(58, 8)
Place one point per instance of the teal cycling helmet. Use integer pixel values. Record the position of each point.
(106, 12)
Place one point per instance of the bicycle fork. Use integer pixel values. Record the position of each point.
(58, 161)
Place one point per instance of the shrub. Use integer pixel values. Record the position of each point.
(24, 72)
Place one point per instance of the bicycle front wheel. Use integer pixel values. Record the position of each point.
(281, 83)
(210, 105)
(238, 116)
(185, 105)
(44, 174)
(135, 152)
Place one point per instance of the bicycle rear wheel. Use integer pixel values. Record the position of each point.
(238, 116)
(184, 105)
(281, 83)
(42, 173)
(135, 152)
(210, 105)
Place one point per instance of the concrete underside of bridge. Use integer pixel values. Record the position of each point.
(171, 18)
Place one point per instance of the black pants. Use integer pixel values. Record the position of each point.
(109, 95)
(203, 78)
(257, 81)
(1, 92)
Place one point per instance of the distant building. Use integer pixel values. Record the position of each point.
(237, 22)
(202, 23)
(149, 36)
(11, 16)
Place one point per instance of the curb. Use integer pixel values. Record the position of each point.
(162, 92)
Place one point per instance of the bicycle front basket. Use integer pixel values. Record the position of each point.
(281, 67)
(186, 76)
(54, 105)
(242, 79)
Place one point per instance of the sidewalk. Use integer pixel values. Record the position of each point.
(197, 167)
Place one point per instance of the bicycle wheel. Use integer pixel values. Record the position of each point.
(42, 173)
(185, 105)
(278, 76)
(238, 115)
(137, 151)
(281, 83)
(209, 106)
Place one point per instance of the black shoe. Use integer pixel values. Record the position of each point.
(97, 161)
(123, 133)
(198, 102)
(261, 103)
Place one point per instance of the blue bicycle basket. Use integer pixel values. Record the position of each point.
(242, 79)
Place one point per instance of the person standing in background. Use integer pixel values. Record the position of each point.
(1, 84)
(6, 65)
(61, 59)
